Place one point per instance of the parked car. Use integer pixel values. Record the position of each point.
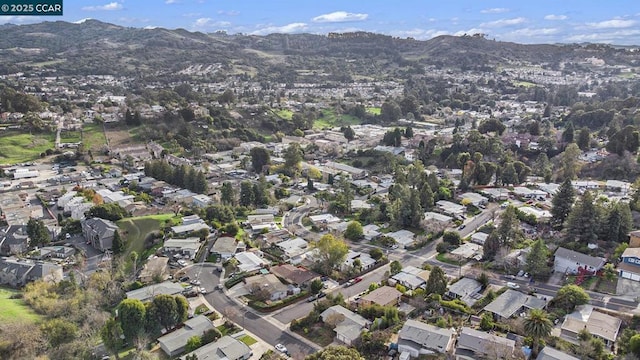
(282, 348)
(357, 280)
(349, 283)
(311, 298)
(321, 295)
(184, 279)
(195, 282)
(513, 285)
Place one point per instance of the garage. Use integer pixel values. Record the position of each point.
(630, 275)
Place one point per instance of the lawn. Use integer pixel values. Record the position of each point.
(374, 110)
(447, 260)
(70, 136)
(93, 136)
(136, 229)
(329, 119)
(20, 147)
(14, 309)
(248, 340)
(284, 113)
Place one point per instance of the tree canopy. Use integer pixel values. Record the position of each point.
(331, 253)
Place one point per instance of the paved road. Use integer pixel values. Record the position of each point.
(270, 331)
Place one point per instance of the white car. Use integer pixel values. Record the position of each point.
(203, 290)
(195, 282)
(513, 285)
(281, 348)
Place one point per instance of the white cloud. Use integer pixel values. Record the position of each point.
(285, 29)
(209, 24)
(494, 11)
(504, 22)
(556, 17)
(19, 19)
(612, 24)
(192, 14)
(628, 36)
(82, 21)
(201, 22)
(340, 16)
(150, 27)
(108, 7)
(169, 2)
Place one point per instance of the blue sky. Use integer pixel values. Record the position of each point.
(523, 21)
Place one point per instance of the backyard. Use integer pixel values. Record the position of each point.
(18, 147)
(70, 137)
(136, 229)
(14, 309)
(329, 119)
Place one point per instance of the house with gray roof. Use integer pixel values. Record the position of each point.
(189, 224)
(599, 324)
(465, 289)
(13, 240)
(225, 247)
(18, 272)
(99, 232)
(225, 348)
(187, 247)
(473, 344)
(174, 342)
(147, 293)
(418, 338)
(549, 353)
(568, 261)
(348, 325)
(512, 302)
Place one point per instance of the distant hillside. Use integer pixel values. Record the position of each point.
(95, 47)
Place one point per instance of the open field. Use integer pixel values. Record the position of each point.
(136, 229)
(14, 309)
(70, 136)
(284, 113)
(93, 137)
(329, 119)
(20, 147)
(374, 110)
(121, 137)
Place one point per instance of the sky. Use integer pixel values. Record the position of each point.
(521, 21)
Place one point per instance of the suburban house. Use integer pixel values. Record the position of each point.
(348, 325)
(57, 252)
(599, 324)
(225, 348)
(148, 292)
(383, 296)
(465, 289)
(629, 267)
(479, 238)
(511, 303)
(13, 240)
(411, 277)
(450, 208)
(174, 342)
(99, 232)
(268, 283)
(436, 221)
(296, 276)
(260, 222)
(19, 272)
(634, 239)
(403, 237)
(354, 172)
(571, 262)
(186, 247)
(549, 353)
(418, 338)
(474, 199)
(189, 224)
(474, 343)
(201, 201)
(156, 267)
(322, 220)
(224, 247)
(366, 261)
(371, 232)
(293, 249)
(249, 262)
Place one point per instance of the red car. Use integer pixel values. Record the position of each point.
(357, 280)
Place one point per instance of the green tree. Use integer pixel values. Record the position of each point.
(166, 311)
(315, 286)
(405, 210)
(247, 196)
(336, 353)
(618, 222)
(354, 231)
(537, 325)
(634, 344)
(193, 343)
(182, 308)
(292, 157)
(131, 313)
(570, 296)
(348, 133)
(111, 335)
(509, 174)
(583, 221)
(537, 259)
(331, 253)
(408, 132)
(509, 231)
(452, 237)
(227, 194)
(568, 134)
(111, 211)
(134, 262)
(395, 267)
(59, 331)
(260, 157)
(486, 321)
(584, 139)
(437, 282)
(118, 245)
(569, 161)
(38, 233)
(562, 203)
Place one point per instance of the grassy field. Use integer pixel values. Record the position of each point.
(70, 136)
(374, 110)
(14, 309)
(248, 340)
(284, 113)
(330, 119)
(136, 229)
(19, 147)
(93, 136)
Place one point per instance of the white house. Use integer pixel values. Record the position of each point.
(403, 237)
(201, 201)
(474, 199)
(568, 261)
(348, 325)
(451, 209)
(418, 338)
(249, 261)
(188, 247)
(294, 249)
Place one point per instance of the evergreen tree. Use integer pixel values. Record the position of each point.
(227, 194)
(247, 196)
(491, 246)
(437, 282)
(260, 157)
(200, 184)
(508, 231)
(292, 158)
(426, 197)
(562, 203)
(348, 133)
(537, 259)
(568, 134)
(618, 222)
(117, 246)
(583, 221)
(408, 132)
(38, 233)
(584, 139)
